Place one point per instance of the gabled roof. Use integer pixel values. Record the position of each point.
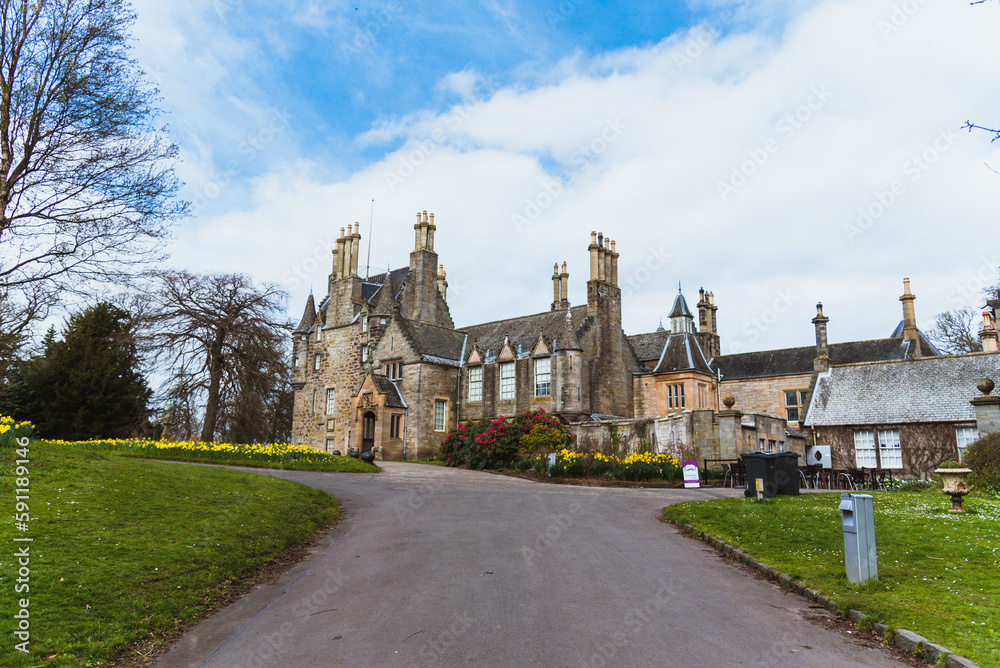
(799, 361)
(926, 347)
(681, 352)
(523, 331)
(385, 386)
(930, 389)
(435, 341)
(308, 316)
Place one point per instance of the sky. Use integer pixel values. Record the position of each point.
(778, 153)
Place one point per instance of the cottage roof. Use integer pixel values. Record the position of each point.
(681, 352)
(798, 361)
(308, 316)
(524, 331)
(385, 386)
(929, 389)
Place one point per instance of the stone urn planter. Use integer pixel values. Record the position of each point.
(955, 482)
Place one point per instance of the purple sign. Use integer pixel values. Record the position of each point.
(691, 475)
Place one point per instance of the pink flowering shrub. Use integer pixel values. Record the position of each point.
(497, 443)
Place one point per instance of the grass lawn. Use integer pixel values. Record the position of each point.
(126, 551)
(272, 456)
(431, 461)
(938, 571)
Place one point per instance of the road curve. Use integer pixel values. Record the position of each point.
(446, 567)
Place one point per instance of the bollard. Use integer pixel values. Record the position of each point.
(857, 518)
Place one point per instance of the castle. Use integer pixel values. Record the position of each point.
(380, 366)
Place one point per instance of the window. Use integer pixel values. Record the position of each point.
(364, 353)
(507, 389)
(475, 383)
(781, 446)
(888, 444)
(317, 362)
(864, 449)
(702, 395)
(396, 425)
(439, 408)
(319, 332)
(394, 370)
(675, 396)
(312, 407)
(760, 445)
(966, 437)
(296, 361)
(770, 446)
(364, 323)
(795, 401)
(543, 377)
(331, 444)
(331, 400)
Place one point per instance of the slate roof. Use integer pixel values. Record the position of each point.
(308, 316)
(523, 331)
(681, 353)
(796, 361)
(371, 285)
(435, 341)
(926, 347)
(648, 347)
(931, 389)
(389, 389)
(680, 308)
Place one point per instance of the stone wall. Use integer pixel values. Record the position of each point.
(764, 395)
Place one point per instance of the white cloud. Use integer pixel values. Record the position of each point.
(819, 121)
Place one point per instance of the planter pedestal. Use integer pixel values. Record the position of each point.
(955, 483)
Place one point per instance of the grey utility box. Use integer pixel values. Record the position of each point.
(857, 517)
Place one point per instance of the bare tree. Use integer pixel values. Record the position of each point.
(953, 331)
(86, 180)
(223, 340)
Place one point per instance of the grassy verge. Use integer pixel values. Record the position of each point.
(125, 551)
(272, 456)
(938, 571)
(430, 461)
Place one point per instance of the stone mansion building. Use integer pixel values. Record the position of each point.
(379, 365)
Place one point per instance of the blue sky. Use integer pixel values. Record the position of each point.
(779, 153)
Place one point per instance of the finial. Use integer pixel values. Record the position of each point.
(678, 287)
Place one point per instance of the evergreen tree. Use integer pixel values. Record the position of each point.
(85, 385)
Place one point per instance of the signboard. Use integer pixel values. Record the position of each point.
(691, 476)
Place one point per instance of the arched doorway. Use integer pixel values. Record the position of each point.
(368, 432)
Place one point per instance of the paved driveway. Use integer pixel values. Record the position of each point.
(445, 567)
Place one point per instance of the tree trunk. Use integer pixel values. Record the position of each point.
(214, 381)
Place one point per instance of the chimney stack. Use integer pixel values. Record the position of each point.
(337, 262)
(822, 360)
(614, 265)
(988, 334)
(442, 282)
(555, 286)
(910, 332)
(355, 249)
(593, 256)
(564, 286)
(345, 253)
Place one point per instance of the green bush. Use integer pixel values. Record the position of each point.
(497, 444)
(543, 438)
(983, 457)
